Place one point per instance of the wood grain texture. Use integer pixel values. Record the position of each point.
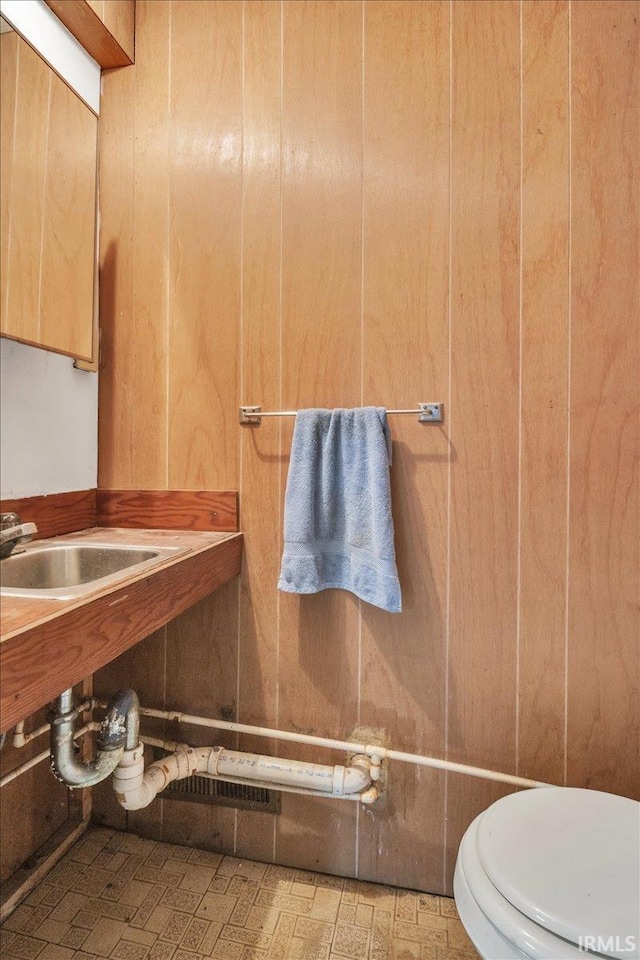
(120, 397)
(119, 17)
(406, 303)
(9, 43)
(206, 192)
(21, 282)
(321, 320)
(49, 207)
(485, 177)
(603, 699)
(396, 201)
(57, 513)
(69, 225)
(168, 509)
(134, 256)
(202, 667)
(104, 28)
(147, 452)
(261, 378)
(84, 638)
(544, 413)
(35, 800)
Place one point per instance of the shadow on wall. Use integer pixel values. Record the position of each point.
(411, 647)
(107, 286)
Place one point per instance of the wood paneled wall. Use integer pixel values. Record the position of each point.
(33, 806)
(382, 202)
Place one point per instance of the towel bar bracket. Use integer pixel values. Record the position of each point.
(430, 413)
(252, 415)
(249, 416)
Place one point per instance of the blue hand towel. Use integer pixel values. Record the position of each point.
(338, 528)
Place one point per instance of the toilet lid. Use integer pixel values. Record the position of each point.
(568, 859)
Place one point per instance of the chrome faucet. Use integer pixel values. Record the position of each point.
(13, 531)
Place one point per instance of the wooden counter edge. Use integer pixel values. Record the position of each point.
(38, 664)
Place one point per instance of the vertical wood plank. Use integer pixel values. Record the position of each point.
(205, 254)
(134, 276)
(201, 671)
(98, 7)
(33, 806)
(145, 455)
(34, 79)
(545, 340)
(321, 322)
(205, 181)
(8, 91)
(116, 151)
(603, 699)
(484, 407)
(119, 18)
(69, 224)
(406, 286)
(135, 262)
(260, 352)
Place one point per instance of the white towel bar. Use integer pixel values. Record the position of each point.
(426, 413)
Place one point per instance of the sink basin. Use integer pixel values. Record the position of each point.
(64, 571)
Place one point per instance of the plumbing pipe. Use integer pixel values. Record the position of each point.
(135, 788)
(21, 739)
(314, 776)
(368, 796)
(118, 730)
(18, 739)
(370, 749)
(28, 764)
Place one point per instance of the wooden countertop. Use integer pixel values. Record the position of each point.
(47, 646)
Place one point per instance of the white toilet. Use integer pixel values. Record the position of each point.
(552, 873)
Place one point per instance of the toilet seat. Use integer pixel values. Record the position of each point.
(540, 872)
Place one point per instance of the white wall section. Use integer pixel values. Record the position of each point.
(48, 423)
(41, 28)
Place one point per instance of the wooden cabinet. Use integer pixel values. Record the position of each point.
(105, 28)
(48, 206)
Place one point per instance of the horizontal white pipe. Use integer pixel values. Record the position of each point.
(336, 780)
(94, 725)
(136, 788)
(371, 750)
(368, 796)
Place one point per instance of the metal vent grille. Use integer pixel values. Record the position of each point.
(197, 789)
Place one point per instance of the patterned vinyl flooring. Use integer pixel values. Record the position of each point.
(117, 896)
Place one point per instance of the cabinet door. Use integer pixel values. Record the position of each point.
(48, 206)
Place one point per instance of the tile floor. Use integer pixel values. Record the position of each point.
(118, 896)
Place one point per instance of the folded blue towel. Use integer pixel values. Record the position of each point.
(338, 528)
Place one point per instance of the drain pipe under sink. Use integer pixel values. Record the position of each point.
(134, 788)
(119, 730)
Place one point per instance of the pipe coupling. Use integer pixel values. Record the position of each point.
(59, 719)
